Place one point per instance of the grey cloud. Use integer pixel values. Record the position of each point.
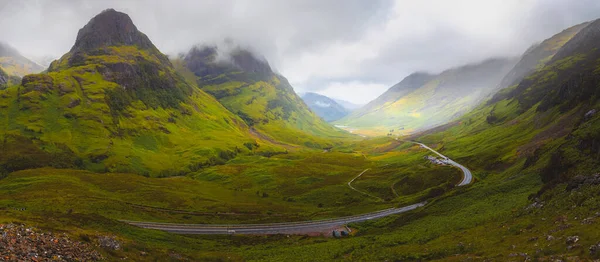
(316, 43)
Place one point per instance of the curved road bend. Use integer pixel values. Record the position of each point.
(294, 227)
(467, 178)
(272, 228)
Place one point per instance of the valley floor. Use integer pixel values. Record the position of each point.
(491, 219)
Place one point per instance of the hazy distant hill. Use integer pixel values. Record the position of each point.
(422, 101)
(325, 107)
(349, 106)
(15, 64)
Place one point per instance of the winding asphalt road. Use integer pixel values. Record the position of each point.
(467, 177)
(294, 227)
(272, 228)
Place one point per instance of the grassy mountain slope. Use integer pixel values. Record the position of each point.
(115, 103)
(247, 86)
(426, 101)
(13, 63)
(537, 55)
(325, 107)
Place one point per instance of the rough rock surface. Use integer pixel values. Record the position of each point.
(20, 243)
(579, 181)
(3, 79)
(110, 28)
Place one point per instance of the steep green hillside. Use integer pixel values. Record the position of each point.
(247, 86)
(115, 103)
(325, 107)
(13, 63)
(422, 101)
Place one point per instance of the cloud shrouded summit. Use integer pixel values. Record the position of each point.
(351, 50)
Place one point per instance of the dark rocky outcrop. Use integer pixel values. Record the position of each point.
(595, 249)
(104, 45)
(110, 28)
(3, 79)
(580, 181)
(208, 62)
(249, 62)
(40, 83)
(203, 62)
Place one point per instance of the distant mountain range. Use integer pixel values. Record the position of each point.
(422, 100)
(325, 107)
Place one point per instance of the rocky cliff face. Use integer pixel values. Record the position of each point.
(112, 45)
(207, 62)
(249, 62)
(110, 28)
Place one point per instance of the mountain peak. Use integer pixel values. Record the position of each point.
(110, 28)
(209, 60)
(249, 62)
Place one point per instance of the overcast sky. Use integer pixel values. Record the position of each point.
(347, 49)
